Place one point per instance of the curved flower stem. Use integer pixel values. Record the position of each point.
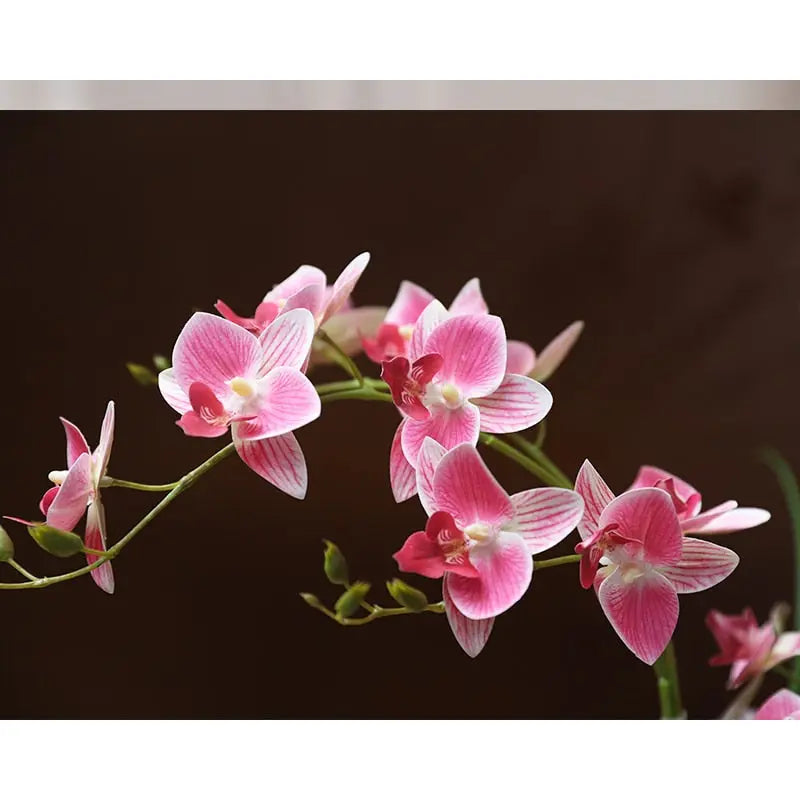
(340, 357)
(355, 392)
(377, 612)
(791, 493)
(534, 467)
(669, 689)
(535, 452)
(140, 487)
(744, 699)
(556, 562)
(22, 571)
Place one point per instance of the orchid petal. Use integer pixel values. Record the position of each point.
(702, 566)
(786, 646)
(310, 298)
(95, 539)
(448, 427)
(464, 487)
(696, 523)
(76, 441)
(430, 454)
(286, 400)
(647, 518)
(505, 570)
(520, 357)
(470, 299)
(516, 404)
(193, 424)
(347, 328)
(422, 555)
(409, 304)
(303, 276)
(688, 500)
(643, 612)
(69, 505)
(176, 397)
(345, 283)
(471, 634)
(278, 460)
(551, 357)
(728, 521)
(212, 350)
(784, 704)
(596, 496)
(543, 517)
(474, 353)
(245, 322)
(103, 451)
(430, 319)
(286, 342)
(402, 477)
(47, 499)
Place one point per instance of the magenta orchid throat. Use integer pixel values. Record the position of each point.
(456, 383)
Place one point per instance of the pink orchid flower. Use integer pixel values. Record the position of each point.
(224, 377)
(724, 518)
(77, 488)
(638, 560)
(782, 705)
(452, 386)
(307, 287)
(750, 649)
(394, 335)
(479, 539)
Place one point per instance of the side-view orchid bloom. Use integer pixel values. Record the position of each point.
(784, 704)
(524, 360)
(748, 648)
(77, 489)
(452, 386)
(224, 377)
(724, 518)
(307, 287)
(479, 539)
(637, 559)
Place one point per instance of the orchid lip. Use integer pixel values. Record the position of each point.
(478, 531)
(243, 387)
(406, 331)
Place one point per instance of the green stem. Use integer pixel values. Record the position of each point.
(502, 446)
(140, 487)
(377, 612)
(791, 493)
(340, 357)
(669, 689)
(744, 699)
(22, 571)
(535, 452)
(356, 392)
(113, 552)
(556, 562)
(785, 673)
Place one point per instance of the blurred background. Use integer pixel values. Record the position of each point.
(675, 236)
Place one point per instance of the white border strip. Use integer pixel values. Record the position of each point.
(400, 95)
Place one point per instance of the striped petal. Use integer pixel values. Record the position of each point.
(301, 278)
(95, 539)
(549, 360)
(103, 451)
(726, 518)
(76, 442)
(517, 404)
(176, 397)
(409, 304)
(287, 341)
(430, 454)
(402, 476)
(702, 565)
(69, 505)
(520, 357)
(433, 316)
(345, 283)
(596, 496)
(784, 704)
(543, 517)
(471, 634)
(643, 612)
(278, 460)
(470, 299)
(449, 428)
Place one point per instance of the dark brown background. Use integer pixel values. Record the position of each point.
(676, 236)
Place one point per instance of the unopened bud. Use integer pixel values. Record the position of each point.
(349, 602)
(311, 599)
(407, 596)
(6, 546)
(335, 564)
(55, 541)
(160, 362)
(144, 376)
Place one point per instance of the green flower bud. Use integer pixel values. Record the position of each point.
(407, 596)
(6, 546)
(335, 564)
(311, 599)
(161, 362)
(56, 542)
(349, 602)
(144, 376)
